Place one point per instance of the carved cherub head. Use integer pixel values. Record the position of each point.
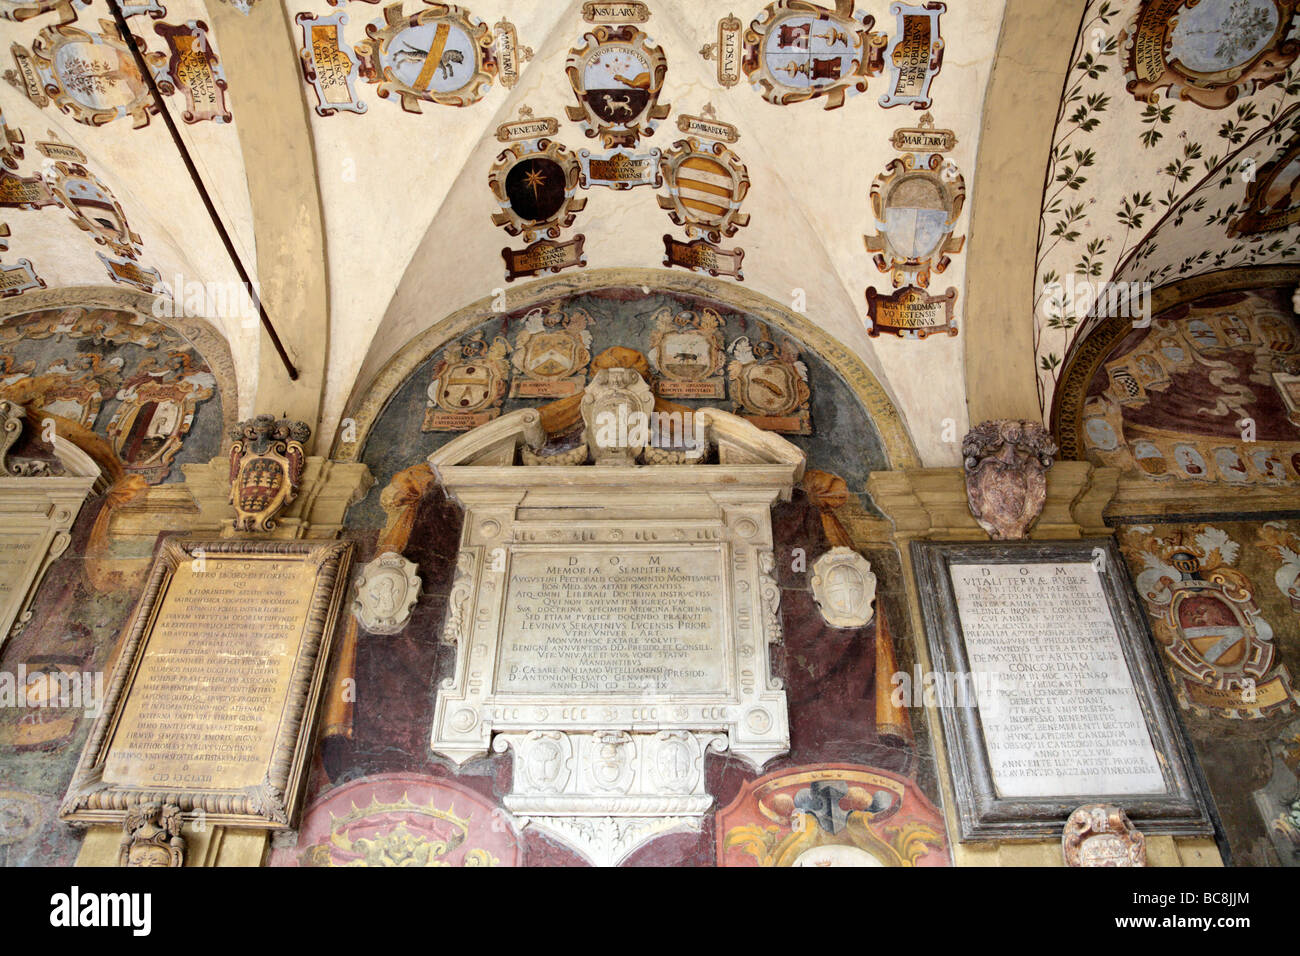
(152, 836)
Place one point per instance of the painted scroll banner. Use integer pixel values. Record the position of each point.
(910, 313)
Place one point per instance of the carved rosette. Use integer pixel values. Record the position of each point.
(266, 464)
(1006, 464)
(1101, 835)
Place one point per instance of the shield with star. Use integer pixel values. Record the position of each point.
(536, 184)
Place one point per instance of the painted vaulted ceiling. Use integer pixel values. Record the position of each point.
(350, 150)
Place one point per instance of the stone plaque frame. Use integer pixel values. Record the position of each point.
(512, 510)
(607, 769)
(39, 512)
(275, 803)
(1182, 809)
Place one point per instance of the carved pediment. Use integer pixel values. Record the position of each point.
(617, 418)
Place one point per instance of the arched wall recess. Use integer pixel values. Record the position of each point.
(201, 333)
(1087, 354)
(368, 401)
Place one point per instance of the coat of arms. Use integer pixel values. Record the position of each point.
(551, 354)
(469, 383)
(769, 384)
(1203, 612)
(535, 182)
(387, 591)
(686, 351)
(157, 410)
(1210, 52)
(72, 389)
(94, 208)
(441, 54)
(90, 76)
(831, 815)
(266, 465)
(799, 51)
(844, 587)
(617, 75)
(917, 201)
(1006, 463)
(706, 184)
(1102, 835)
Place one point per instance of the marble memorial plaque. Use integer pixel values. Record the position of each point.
(215, 692)
(1049, 690)
(1041, 639)
(36, 515)
(20, 557)
(613, 625)
(614, 621)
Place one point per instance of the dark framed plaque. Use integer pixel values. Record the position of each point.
(212, 704)
(1049, 690)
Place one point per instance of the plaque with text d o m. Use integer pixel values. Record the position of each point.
(212, 704)
(1049, 690)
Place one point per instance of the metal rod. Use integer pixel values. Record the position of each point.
(143, 67)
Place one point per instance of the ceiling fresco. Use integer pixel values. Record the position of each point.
(92, 189)
(1175, 154)
(816, 154)
(821, 156)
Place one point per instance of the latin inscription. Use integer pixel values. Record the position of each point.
(1056, 700)
(614, 622)
(207, 701)
(17, 558)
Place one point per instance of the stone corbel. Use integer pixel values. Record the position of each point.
(931, 502)
(202, 503)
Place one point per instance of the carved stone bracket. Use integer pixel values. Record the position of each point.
(1006, 474)
(609, 792)
(327, 489)
(151, 836)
